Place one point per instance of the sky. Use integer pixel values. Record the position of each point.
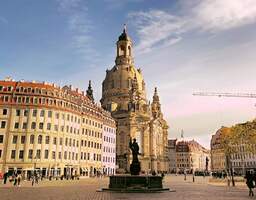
(181, 46)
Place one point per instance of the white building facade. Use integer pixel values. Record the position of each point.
(109, 148)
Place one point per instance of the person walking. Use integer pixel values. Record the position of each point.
(249, 182)
(19, 179)
(15, 179)
(33, 179)
(5, 177)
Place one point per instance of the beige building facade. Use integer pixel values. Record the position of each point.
(192, 157)
(217, 152)
(56, 131)
(242, 158)
(124, 95)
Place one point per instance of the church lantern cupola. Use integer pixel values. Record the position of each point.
(124, 48)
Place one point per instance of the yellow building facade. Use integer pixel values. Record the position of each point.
(57, 131)
(124, 95)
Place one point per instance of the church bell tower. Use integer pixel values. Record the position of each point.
(124, 49)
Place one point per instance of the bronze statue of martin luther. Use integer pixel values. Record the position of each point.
(135, 165)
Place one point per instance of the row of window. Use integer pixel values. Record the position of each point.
(108, 159)
(90, 144)
(246, 164)
(57, 116)
(109, 139)
(109, 149)
(38, 155)
(42, 101)
(86, 156)
(68, 141)
(56, 155)
(33, 126)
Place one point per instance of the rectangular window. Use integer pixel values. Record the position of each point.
(13, 154)
(56, 127)
(21, 154)
(32, 138)
(47, 140)
(38, 153)
(24, 125)
(16, 125)
(54, 140)
(46, 154)
(22, 139)
(48, 126)
(57, 115)
(33, 125)
(3, 124)
(42, 113)
(60, 141)
(49, 113)
(41, 125)
(59, 155)
(14, 139)
(4, 111)
(25, 113)
(17, 112)
(34, 113)
(0, 153)
(30, 153)
(53, 155)
(65, 155)
(1, 139)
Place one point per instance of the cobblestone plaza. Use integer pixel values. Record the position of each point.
(86, 189)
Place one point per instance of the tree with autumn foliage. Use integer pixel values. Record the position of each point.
(237, 137)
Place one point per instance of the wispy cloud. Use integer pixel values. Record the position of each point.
(80, 26)
(3, 20)
(158, 28)
(117, 4)
(218, 15)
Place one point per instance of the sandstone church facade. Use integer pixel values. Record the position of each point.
(124, 95)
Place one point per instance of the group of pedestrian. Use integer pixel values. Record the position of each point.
(250, 181)
(15, 178)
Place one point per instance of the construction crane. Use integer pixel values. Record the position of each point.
(225, 94)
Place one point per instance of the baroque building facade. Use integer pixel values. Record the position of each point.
(124, 95)
(172, 155)
(192, 157)
(242, 157)
(55, 131)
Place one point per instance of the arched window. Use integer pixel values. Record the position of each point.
(32, 139)
(122, 50)
(39, 139)
(129, 50)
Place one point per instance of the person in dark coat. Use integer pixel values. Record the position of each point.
(5, 177)
(249, 182)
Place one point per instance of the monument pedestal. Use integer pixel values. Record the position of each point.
(135, 183)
